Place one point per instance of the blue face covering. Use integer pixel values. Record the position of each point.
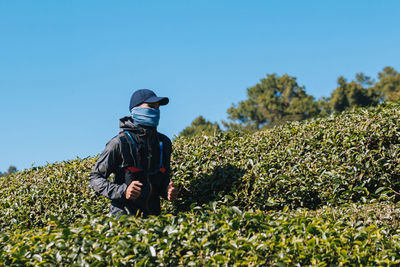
(145, 116)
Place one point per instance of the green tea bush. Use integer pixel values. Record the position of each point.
(351, 157)
(56, 192)
(217, 235)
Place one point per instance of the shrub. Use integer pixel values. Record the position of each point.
(352, 157)
(217, 235)
(56, 192)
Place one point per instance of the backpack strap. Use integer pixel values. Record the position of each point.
(160, 166)
(138, 168)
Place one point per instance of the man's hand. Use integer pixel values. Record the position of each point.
(172, 192)
(133, 191)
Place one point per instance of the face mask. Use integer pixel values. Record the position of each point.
(145, 116)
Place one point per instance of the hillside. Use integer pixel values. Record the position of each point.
(320, 191)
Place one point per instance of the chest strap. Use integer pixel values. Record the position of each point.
(138, 168)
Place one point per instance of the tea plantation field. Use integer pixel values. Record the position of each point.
(323, 192)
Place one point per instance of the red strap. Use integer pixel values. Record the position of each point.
(163, 170)
(133, 169)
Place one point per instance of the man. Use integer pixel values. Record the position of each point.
(139, 157)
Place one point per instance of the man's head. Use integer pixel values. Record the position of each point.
(146, 96)
(144, 107)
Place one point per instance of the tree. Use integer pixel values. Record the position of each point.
(364, 80)
(324, 106)
(234, 126)
(353, 94)
(201, 126)
(12, 169)
(273, 101)
(388, 87)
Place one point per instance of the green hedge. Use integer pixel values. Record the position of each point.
(57, 192)
(321, 192)
(351, 157)
(217, 235)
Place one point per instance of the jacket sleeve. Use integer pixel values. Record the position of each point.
(167, 164)
(107, 163)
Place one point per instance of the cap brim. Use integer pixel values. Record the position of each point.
(155, 99)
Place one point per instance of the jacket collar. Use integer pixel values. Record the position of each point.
(126, 123)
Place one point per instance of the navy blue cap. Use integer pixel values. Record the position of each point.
(146, 96)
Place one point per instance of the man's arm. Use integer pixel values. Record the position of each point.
(105, 165)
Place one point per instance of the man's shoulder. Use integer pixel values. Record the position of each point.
(116, 140)
(166, 141)
(163, 138)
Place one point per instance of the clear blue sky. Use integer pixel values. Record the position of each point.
(68, 68)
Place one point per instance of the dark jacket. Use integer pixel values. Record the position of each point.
(117, 158)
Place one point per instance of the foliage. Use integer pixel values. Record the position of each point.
(388, 86)
(33, 197)
(246, 200)
(353, 94)
(201, 126)
(217, 235)
(276, 100)
(271, 102)
(324, 106)
(364, 91)
(12, 169)
(351, 157)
